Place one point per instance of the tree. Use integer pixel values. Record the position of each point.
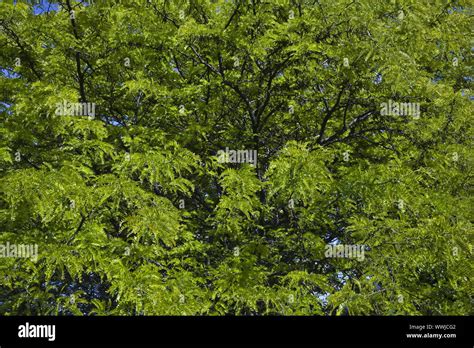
(113, 115)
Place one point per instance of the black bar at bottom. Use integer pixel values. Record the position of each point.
(134, 331)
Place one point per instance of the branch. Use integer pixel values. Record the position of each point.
(23, 50)
(78, 55)
(351, 126)
(227, 83)
(329, 114)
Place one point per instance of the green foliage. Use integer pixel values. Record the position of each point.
(133, 213)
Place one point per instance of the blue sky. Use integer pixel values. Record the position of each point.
(44, 6)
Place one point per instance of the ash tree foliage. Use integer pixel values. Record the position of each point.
(134, 213)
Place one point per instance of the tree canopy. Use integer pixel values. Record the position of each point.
(112, 117)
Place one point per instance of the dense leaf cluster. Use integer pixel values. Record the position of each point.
(133, 213)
